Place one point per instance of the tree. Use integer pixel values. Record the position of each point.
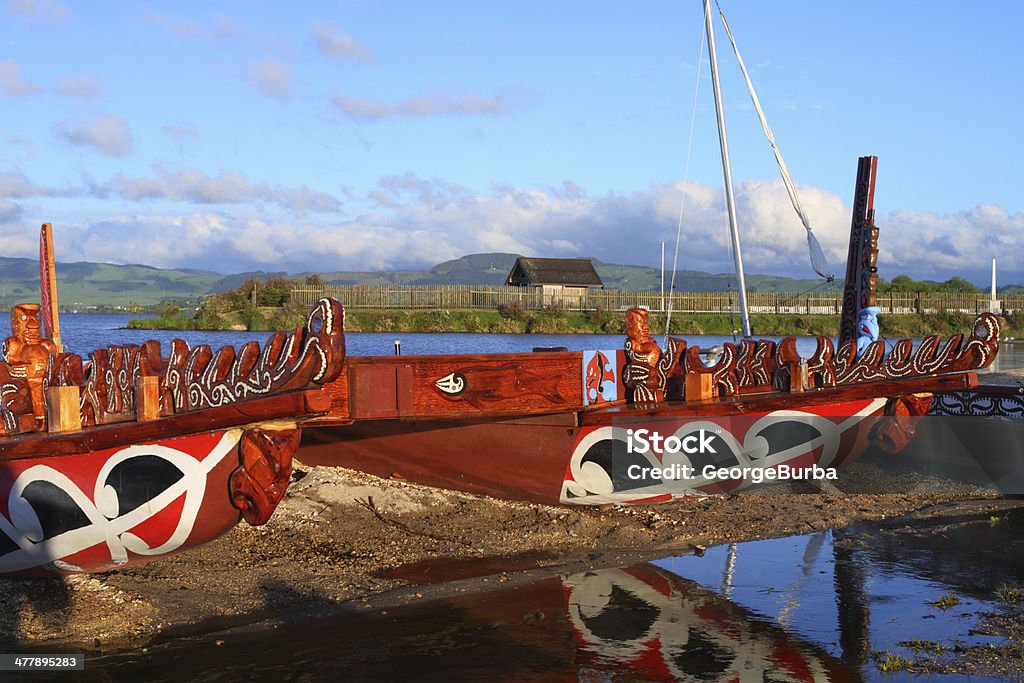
(958, 284)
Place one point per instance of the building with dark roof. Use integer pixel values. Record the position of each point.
(560, 280)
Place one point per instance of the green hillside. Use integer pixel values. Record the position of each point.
(94, 285)
(493, 268)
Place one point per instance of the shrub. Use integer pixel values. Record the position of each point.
(433, 321)
(513, 310)
(602, 318)
(556, 309)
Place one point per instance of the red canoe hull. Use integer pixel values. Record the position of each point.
(552, 459)
(112, 508)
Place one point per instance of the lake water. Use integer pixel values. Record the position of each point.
(84, 332)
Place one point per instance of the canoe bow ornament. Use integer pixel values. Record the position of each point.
(261, 479)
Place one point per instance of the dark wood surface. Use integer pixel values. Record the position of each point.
(519, 458)
(375, 387)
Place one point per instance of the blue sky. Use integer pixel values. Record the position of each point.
(371, 135)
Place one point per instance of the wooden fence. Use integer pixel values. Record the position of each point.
(382, 297)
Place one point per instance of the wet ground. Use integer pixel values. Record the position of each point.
(874, 601)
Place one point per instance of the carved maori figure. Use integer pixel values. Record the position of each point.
(642, 356)
(16, 412)
(899, 425)
(27, 354)
(862, 257)
(650, 375)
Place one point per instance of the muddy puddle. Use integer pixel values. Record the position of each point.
(863, 603)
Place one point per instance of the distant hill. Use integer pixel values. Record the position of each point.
(86, 285)
(493, 268)
(83, 285)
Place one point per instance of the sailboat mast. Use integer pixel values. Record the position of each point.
(730, 202)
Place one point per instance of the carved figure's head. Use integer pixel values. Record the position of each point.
(637, 325)
(867, 325)
(25, 324)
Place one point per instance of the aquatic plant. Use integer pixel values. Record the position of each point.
(945, 601)
(918, 645)
(890, 662)
(1007, 593)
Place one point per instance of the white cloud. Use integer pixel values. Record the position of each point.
(43, 10)
(11, 82)
(420, 222)
(434, 103)
(83, 88)
(193, 185)
(17, 186)
(227, 244)
(9, 211)
(272, 77)
(338, 45)
(110, 135)
(173, 25)
(181, 131)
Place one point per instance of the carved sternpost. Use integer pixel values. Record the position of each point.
(861, 270)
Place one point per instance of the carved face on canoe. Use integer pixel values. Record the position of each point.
(637, 326)
(25, 324)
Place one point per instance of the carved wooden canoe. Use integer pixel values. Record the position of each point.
(552, 427)
(136, 457)
(560, 427)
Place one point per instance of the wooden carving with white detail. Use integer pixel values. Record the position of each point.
(190, 379)
(763, 365)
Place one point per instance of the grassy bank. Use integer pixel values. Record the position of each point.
(566, 322)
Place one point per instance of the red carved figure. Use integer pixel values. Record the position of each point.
(27, 352)
(642, 356)
(598, 372)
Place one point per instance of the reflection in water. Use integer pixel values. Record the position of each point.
(853, 611)
(651, 623)
(870, 591)
(805, 608)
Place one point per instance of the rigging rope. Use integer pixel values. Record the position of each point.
(686, 176)
(818, 261)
